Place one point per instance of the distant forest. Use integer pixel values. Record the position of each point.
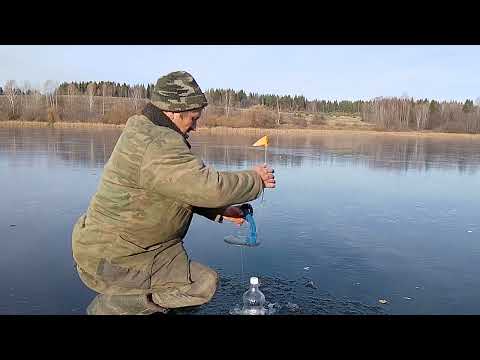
(111, 102)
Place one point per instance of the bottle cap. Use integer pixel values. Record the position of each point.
(253, 281)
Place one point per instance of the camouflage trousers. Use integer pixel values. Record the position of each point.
(200, 291)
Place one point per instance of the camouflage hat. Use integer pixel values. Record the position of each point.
(178, 91)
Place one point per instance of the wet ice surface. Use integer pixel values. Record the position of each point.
(282, 297)
(380, 218)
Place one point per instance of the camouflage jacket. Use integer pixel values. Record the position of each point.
(149, 190)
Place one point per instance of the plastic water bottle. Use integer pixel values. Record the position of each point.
(253, 299)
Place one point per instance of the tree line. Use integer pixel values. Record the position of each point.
(407, 114)
(112, 102)
(218, 97)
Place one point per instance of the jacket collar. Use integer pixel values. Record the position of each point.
(156, 116)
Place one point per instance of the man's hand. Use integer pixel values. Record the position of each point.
(234, 214)
(266, 174)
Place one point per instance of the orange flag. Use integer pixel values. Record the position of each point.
(262, 142)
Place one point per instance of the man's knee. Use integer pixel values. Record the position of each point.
(202, 272)
(205, 280)
(201, 291)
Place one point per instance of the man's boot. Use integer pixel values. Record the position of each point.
(104, 304)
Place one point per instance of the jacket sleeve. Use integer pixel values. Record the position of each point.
(214, 214)
(170, 168)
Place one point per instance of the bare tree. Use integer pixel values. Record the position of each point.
(104, 93)
(388, 112)
(136, 93)
(51, 95)
(227, 103)
(71, 91)
(366, 111)
(49, 88)
(27, 87)
(278, 112)
(10, 91)
(470, 121)
(55, 91)
(36, 103)
(403, 112)
(91, 88)
(23, 109)
(421, 115)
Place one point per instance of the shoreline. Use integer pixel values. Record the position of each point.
(58, 125)
(246, 131)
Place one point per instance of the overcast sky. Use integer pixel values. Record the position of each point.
(322, 72)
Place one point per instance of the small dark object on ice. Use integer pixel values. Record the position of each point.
(292, 307)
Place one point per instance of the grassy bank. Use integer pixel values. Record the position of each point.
(331, 131)
(251, 131)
